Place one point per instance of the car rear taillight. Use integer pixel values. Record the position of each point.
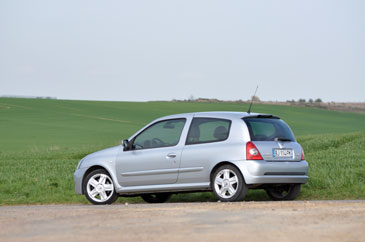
(302, 156)
(252, 153)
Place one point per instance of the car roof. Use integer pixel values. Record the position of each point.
(218, 114)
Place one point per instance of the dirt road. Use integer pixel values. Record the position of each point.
(250, 221)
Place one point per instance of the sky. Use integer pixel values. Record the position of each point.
(163, 50)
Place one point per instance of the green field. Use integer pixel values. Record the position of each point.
(41, 142)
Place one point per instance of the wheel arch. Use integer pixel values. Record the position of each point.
(89, 170)
(222, 163)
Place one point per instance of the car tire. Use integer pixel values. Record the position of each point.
(284, 192)
(99, 188)
(228, 184)
(156, 198)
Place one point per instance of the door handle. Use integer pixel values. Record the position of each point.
(170, 156)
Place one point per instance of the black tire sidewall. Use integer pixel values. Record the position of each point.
(99, 171)
(242, 187)
(292, 194)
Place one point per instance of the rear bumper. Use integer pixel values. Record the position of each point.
(262, 172)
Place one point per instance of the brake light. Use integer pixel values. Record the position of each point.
(302, 157)
(252, 153)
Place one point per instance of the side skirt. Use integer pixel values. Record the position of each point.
(185, 187)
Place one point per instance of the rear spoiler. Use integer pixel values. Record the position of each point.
(262, 116)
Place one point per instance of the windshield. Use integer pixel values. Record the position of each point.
(266, 129)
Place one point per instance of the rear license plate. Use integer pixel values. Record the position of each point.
(282, 153)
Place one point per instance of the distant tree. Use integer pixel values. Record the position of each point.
(310, 100)
(301, 100)
(318, 100)
(255, 98)
(191, 98)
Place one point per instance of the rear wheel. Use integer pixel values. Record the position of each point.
(284, 192)
(156, 198)
(228, 184)
(99, 188)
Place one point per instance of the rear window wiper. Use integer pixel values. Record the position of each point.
(282, 139)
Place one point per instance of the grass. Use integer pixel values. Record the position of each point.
(41, 142)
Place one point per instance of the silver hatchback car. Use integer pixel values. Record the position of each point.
(224, 152)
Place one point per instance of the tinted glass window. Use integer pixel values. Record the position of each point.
(264, 129)
(161, 134)
(205, 130)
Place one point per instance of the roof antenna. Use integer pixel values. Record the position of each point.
(254, 95)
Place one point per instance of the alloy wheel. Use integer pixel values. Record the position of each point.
(100, 187)
(226, 183)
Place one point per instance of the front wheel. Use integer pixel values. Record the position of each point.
(228, 184)
(99, 188)
(156, 198)
(284, 192)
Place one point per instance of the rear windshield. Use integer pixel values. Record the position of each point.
(266, 129)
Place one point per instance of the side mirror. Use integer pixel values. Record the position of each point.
(125, 144)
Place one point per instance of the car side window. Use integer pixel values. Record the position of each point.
(161, 134)
(206, 130)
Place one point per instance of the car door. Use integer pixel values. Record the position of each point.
(204, 144)
(154, 157)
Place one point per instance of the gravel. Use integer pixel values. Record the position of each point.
(251, 221)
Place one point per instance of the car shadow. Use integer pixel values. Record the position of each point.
(198, 197)
(252, 195)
